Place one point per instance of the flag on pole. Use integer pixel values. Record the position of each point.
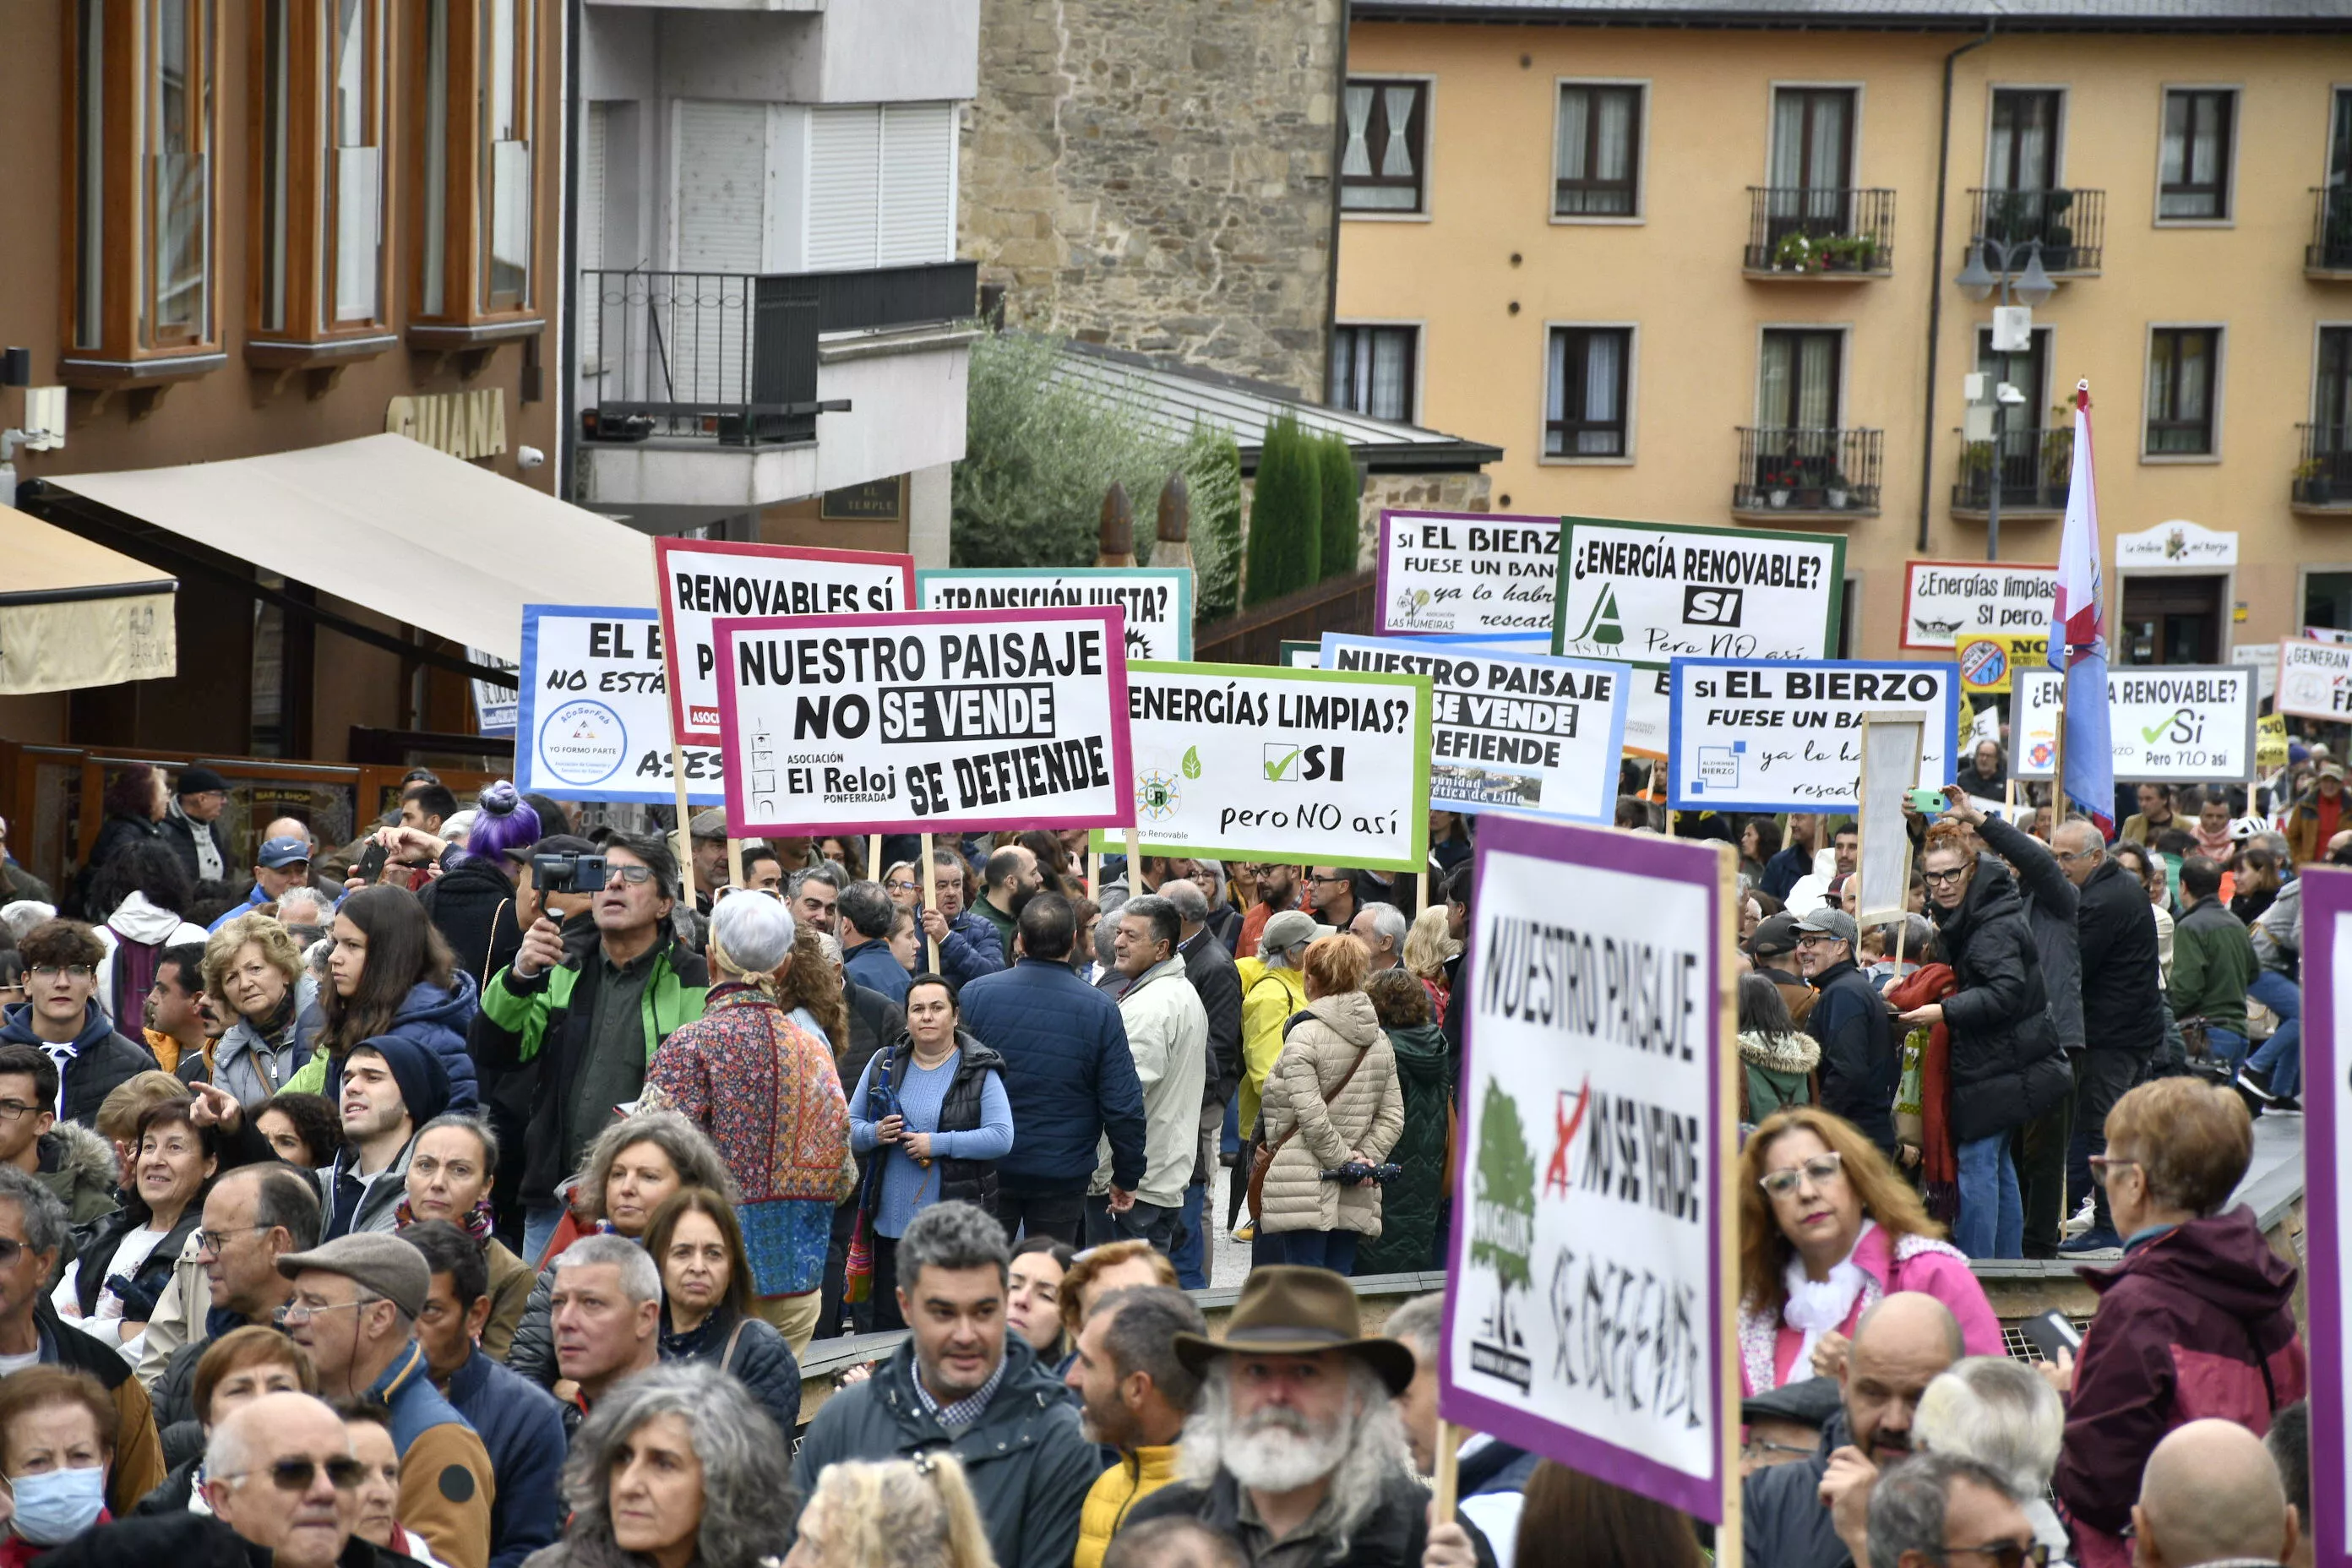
(2078, 637)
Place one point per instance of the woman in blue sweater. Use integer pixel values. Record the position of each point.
(931, 1113)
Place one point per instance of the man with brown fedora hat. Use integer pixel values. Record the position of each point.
(1294, 1451)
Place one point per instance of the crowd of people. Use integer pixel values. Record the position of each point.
(474, 1192)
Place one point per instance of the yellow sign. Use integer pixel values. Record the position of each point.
(1987, 659)
(2270, 741)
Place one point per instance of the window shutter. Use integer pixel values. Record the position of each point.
(722, 164)
(845, 192)
(589, 245)
(917, 181)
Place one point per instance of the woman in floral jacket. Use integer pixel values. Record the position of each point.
(768, 1093)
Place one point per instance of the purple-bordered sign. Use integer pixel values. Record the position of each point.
(1474, 572)
(926, 722)
(2328, 1181)
(1588, 1314)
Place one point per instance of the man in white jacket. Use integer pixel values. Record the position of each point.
(1167, 1030)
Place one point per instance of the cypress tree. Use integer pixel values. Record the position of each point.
(1340, 515)
(1285, 547)
(1212, 467)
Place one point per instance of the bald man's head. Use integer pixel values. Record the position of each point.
(2080, 850)
(1898, 1347)
(2211, 1493)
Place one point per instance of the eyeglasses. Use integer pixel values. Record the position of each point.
(2104, 1166)
(1821, 1170)
(294, 1312)
(905, 885)
(634, 876)
(1944, 879)
(16, 1110)
(11, 1250)
(2071, 856)
(1334, 878)
(1817, 939)
(57, 971)
(296, 1475)
(1756, 1449)
(2008, 1554)
(215, 1241)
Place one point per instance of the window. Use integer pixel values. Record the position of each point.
(1388, 132)
(317, 228)
(2194, 174)
(142, 131)
(1597, 161)
(1797, 387)
(2331, 402)
(2023, 152)
(1812, 138)
(504, 145)
(1372, 370)
(2339, 140)
(881, 185)
(1585, 400)
(355, 168)
(475, 198)
(2182, 379)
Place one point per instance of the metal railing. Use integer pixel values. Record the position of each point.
(2036, 467)
(2323, 474)
(1807, 471)
(2330, 249)
(732, 357)
(1800, 229)
(2070, 225)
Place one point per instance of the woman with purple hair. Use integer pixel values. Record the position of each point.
(473, 901)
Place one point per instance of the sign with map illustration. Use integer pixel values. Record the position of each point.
(1587, 1314)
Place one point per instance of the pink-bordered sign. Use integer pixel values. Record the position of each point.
(1469, 573)
(701, 580)
(926, 722)
(1589, 1314)
(2327, 1182)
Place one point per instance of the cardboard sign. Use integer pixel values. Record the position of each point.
(2169, 723)
(2270, 741)
(2314, 680)
(1590, 1278)
(1987, 659)
(494, 706)
(702, 581)
(1944, 601)
(1465, 572)
(1158, 600)
(594, 712)
(2327, 1190)
(1763, 735)
(1649, 591)
(1525, 732)
(1890, 745)
(926, 722)
(1311, 766)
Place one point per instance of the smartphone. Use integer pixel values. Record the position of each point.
(2051, 1332)
(371, 863)
(1927, 802)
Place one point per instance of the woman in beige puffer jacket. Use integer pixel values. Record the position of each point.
(1304, 1218)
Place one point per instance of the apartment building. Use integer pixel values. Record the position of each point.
(1721, 262)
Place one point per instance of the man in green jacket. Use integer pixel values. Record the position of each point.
(591, 1016)
(2214, 960)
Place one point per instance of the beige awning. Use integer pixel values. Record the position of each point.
(397, 527)
(75, 614)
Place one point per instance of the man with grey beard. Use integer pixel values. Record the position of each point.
(1294, 1451)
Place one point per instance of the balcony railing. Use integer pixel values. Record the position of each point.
(2036, 465)
(1807, 471)
(2323, 478)
(2330, 249)
(2070, 225)
(732, 357)
(1806, 231)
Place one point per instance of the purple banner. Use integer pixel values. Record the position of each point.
(2327, 1171)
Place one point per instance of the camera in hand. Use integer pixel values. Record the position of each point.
(568, 873)
(1356, 1170)
(372, 861)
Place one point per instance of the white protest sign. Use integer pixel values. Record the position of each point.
(494, 705)
(1890, 764)
(1946, 600)
(2262, 658)
(2169, 723)
(1158, 599)
(2314, 680)
(1770, 735)
(1309, 766)
(1524, 733)
(594, 713)
(1465, 572)
(1649, 711)
(702, 580)
(925, 721)
(1649, 591)
(1591, 1269)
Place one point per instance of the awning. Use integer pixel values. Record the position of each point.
(397, 527)
(75, 614)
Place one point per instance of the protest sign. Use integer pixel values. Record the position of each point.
(2169, 723)
(593, 711)
(702, 580)
(1309, 766)
(1944, 601)
(1511, 731)
(1987, 659)
(2270, 741)
(1298, 655)
(1588, 1308)
(1158, 600)
(494, 705)
(2327, 1190)
(1650, 592)
(1465, 572)
(1890, 762)
(2263, 658)
(2314, 680)
(1767, 735)
(926, 720)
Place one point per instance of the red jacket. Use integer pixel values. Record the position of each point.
(2199, 1322)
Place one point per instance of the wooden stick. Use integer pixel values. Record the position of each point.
(930, 901)
(685, 815)
(734, 861)
(1134, 865)
(1448, 1480)
(874, 866)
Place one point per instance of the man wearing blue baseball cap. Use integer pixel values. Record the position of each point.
(281, 863)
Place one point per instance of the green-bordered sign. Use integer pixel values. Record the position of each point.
(1649, 591)
(1309, 766)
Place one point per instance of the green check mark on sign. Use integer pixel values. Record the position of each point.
(2153, 730)
(1279, 762)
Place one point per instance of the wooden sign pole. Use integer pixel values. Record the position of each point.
(874, 866)
(930, 901)
(684, 817)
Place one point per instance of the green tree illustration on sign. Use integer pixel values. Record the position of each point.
(1504, 1224)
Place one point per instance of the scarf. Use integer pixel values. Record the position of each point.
(209, 855)
(476, 1223)
(1940, 1165)
(1818, 1307)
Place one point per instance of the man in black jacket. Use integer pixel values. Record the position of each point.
(2123, 1007)
(1861, 1064)
(1210, 970)
(63, 1018)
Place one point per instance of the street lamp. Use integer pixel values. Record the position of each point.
(2033, 286)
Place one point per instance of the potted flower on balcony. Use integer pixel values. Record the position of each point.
(1837, 491)
(1798, 252)
(2313, 484)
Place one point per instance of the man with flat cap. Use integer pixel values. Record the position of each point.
(1297, 1431)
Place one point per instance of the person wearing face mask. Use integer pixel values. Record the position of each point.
(450, 1171)
(57, 1445)
(707, 1302)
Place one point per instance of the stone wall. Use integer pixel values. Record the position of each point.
(1156, 176)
